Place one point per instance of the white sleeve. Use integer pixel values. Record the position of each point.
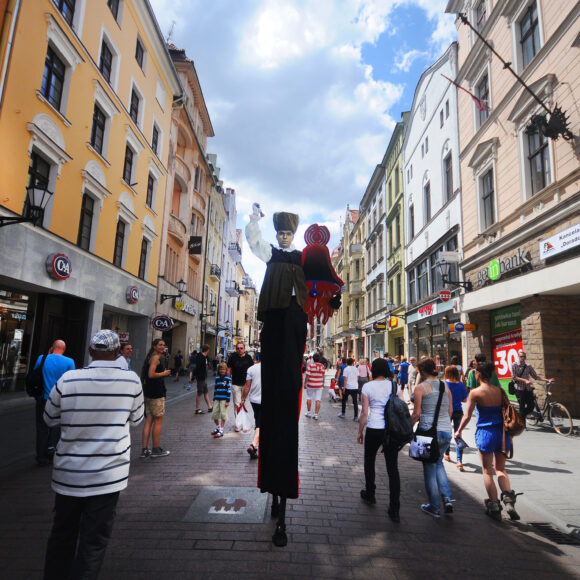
(257, 244)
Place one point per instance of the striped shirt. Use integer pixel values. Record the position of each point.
(94, 407)
(314, 375)
(222, 388)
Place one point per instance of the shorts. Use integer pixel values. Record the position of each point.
(220, 411)
(314, 394)
(237, 395)
(257, 408)
(155, 407)
(201, 386)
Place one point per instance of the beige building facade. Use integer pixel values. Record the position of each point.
(521, 188)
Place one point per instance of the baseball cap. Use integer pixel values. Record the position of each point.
(105, 340)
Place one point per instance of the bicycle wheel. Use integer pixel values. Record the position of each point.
(560, 419)
(534, 418)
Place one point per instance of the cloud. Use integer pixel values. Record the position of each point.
(405, 60)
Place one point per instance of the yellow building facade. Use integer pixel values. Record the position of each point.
(86, 103)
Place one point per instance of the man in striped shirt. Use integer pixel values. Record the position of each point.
(95, 408)
(314, 381)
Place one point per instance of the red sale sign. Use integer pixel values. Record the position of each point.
(505, 351)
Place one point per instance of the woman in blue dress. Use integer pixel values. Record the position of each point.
(487, 399)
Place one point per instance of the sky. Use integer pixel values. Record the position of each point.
(303, 95)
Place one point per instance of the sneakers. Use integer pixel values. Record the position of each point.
(308, 414)
(368, 496)
(355, 419)
(315, 417)
(216, 430)
(427, 509)
(145, 452)
(448, 505)
(341, 415)
(393, 515)
(219, 433)
(158, 452)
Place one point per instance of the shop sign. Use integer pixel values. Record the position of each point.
(123, 337)
(506, 339)
(132, 294)
(183, 307)
(393, 322)
(558, 243)
(379, 326)
(162, 323)
(500, 266)
(449, 256)
(427, 310)
(58, 266)
(194, 245)
(460, 327)
(445, 295)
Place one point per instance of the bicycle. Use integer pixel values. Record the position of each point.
(555, 413)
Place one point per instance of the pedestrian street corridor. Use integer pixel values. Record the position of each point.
(196, 514)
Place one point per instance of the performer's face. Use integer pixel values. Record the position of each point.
(285, 238)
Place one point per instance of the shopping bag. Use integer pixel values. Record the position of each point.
(243, 422)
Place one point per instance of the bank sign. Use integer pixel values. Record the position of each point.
(500, 266)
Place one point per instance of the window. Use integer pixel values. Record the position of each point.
(427, 201)
(172, 266)
(436, 280)
(38, 171)
(119, 244)
(426, 144)
(390, 190)
(150, 190)
(448, 177)
(67, 9)
(447, 109)
(139, 53)
(143, 259)
(134, 106)
(128, 165)
(390, 238)
(391, 292)
(106, 61)
(98, 130)
(487, 204)
(114, 6)
(53, 79)
(482, 93)
(86, 222)
(539, 161)
(398, 288)
(397, 231)
(412, 286)
(196, 179)
(155, 140)
(422, 280)
(529, 34)
(411, 222)
(480, 15)
(441, 118)
(422, 150)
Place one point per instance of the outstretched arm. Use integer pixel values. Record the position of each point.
(258, 245)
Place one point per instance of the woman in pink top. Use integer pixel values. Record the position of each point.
(364, 373)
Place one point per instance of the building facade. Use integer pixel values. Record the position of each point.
(86, 103)
(433, 208)
(521, 196)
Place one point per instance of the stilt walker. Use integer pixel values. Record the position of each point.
(281, 308)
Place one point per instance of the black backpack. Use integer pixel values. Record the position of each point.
(35, 380)
(398, 425)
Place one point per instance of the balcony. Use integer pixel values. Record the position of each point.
(248, 282)
(354, 324)
(215, 272)
(232, 288)
(177, 229)
(235, 252)
(356, 251)
(355, 288)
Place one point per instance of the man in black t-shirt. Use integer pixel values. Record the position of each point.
(238, 364)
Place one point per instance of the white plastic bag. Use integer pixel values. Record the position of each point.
(243, 422)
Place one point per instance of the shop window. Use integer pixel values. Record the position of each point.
(143, 259)
(86, 222)
(118, 252)
(448, 177)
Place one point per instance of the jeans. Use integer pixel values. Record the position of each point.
(373, 440)
(436, 482)
(46, 437)
(354, 394)
(456, 418)
(525, 399)
(86, 520)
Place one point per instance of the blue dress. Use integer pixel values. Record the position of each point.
(489, 434)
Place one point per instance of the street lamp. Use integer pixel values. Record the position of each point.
(444, 268)
(37, 197)
(210, 313)
(180, 289)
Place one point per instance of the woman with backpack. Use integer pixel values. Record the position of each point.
(375, 395)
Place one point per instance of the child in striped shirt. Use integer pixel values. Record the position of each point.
(221, 400)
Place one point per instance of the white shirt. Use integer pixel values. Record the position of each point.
(254, 374)
(351, 377)
(378, 393)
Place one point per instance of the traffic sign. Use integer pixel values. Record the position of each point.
(445, 295)
(460, 327)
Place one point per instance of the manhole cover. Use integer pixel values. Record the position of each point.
(245, 505)
(554, 535)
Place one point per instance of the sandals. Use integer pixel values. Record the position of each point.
(198, 412)
(253, 452)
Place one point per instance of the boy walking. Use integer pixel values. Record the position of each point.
(221, 400)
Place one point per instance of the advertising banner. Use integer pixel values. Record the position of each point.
(506, 340)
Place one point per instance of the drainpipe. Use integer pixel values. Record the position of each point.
(8, 46)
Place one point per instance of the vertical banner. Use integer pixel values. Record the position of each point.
(506, 340)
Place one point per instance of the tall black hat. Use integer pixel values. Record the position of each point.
(286, 221)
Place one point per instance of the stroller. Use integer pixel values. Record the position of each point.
(333, 391)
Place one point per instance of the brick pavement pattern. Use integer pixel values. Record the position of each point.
(332, 533)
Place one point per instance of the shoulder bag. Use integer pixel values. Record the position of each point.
(513, 423)
(35, 380)
(424, 446)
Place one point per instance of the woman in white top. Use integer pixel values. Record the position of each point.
(375, 395)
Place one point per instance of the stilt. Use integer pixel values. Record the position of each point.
(279, 538)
